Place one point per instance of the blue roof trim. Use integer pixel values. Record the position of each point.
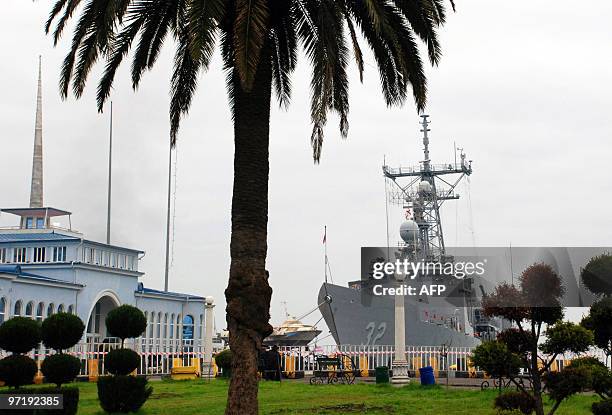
(144, 290)
(16, 270)
(33, 237)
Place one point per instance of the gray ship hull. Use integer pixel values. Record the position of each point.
(352, 322)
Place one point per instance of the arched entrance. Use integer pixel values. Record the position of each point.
(96, 324)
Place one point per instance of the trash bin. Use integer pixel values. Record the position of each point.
(427, 376)
(382, 374)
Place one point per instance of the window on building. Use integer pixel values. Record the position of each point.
(2, 255)
(59, 254)
(158, 329)
(40, 254)
(19, 254)
(151, 325)
(172, 326)
(98, 256)
(146, 314)
(61, 308)
(39, 311)
(40, 223)
(50, 309)
(29, 223)
(165, 326)
(188, 328)
(71, 309)
(29, 311)
(178, 326)
(17, 309)
(2, 309)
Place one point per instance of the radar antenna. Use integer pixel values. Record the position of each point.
(422, 190)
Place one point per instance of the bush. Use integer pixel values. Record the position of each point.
(123, 393)
(223, 359)
(60, 368)
(121, 361)
(602, 408)
(601, 381)
(596, 275)
(496, 359)
(17, 370)
(71, 401)
(19, 335)
(515, 401)
(62, 331)
(126, 322)
(570, 380)
(587, 361)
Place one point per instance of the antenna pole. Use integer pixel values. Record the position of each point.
(425, 130)
(110, 167)
(167, 270)
(325, 245)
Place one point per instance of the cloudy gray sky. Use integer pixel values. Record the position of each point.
(524, 87)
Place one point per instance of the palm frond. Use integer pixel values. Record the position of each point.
(250, 33)
(203, 17)
(284, 57)
(119, 50)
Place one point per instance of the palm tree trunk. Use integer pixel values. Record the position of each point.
(248, 293)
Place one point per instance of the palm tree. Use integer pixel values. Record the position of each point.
(259, 41)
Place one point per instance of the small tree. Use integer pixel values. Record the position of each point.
(18, 335)
(599, 321)
(60, 332)
(532, 307)
(126, 322)
(121, 392)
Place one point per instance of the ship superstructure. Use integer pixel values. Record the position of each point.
(356, 316)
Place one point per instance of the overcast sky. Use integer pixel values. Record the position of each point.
(524, 86)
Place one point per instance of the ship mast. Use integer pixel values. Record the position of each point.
(428, 187)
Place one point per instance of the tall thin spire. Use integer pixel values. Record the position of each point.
(36, 189)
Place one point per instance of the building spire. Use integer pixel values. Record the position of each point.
(36, 189)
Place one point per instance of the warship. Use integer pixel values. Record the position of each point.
(355, 316)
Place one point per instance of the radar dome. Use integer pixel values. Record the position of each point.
(409, 231)
(424, 187)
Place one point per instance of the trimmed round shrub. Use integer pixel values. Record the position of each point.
(121, 361)
(597, 275)
(569, 381)
(19, 334)
(17, 370)
(123, 393)
(223, 359)
(126, 322)
(60, 368)
(602, 408)
(62, 331)
(515, 401)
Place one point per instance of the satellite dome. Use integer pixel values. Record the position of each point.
(409, 231)
(424, 187)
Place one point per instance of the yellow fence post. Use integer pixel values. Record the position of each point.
(92, 364)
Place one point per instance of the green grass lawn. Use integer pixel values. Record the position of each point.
(203, 397)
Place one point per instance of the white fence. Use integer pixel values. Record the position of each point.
(157, 356)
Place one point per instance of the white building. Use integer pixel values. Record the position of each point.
(45, 269)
